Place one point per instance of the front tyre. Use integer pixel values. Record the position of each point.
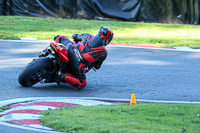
(30, 75)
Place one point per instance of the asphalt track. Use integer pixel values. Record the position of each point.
(151, 74)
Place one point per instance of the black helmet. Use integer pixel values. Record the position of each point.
(106, 33)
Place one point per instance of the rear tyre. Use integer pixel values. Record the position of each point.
(29, 76)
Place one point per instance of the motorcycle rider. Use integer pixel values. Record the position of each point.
(89, 52)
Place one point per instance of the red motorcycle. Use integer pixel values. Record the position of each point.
(45, 69)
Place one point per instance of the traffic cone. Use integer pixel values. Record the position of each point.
(133, 100)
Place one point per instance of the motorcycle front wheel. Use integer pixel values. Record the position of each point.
(33, 71)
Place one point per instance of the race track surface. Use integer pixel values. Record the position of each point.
(151, 74)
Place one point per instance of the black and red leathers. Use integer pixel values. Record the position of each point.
(89, 51)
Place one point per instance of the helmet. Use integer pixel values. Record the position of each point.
(106, 34)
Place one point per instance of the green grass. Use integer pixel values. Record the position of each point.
(16, 27)
(139, 118)
(3, 108)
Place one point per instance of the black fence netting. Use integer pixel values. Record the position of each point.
(163, 11)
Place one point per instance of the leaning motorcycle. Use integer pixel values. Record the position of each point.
(45, 69)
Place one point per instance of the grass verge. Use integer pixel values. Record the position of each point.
(3, 109)
(142, 118)
(16, 27)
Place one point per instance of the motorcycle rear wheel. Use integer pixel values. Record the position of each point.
(29, 76)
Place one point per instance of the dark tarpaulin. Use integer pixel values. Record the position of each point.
(41, 8)
(89, 9)
(124, 9)
(1, 6)
(164, 11)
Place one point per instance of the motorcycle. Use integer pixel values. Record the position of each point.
(46, 69)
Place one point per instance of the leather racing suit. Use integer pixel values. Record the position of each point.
(89, 52)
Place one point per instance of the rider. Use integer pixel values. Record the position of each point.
(89, 52)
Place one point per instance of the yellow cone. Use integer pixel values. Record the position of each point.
(133, 100)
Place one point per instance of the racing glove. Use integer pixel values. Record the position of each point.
(74, 36)
(77, 37)
(58, 38)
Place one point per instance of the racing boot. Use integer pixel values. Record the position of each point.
(71, 79)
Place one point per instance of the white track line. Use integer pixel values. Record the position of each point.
(28, 128)
(157, 48)
(19, 116)
(162, 101)
(185, 49)
(38, 126)
(76, 101)
(28, 107)
(12, 101)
